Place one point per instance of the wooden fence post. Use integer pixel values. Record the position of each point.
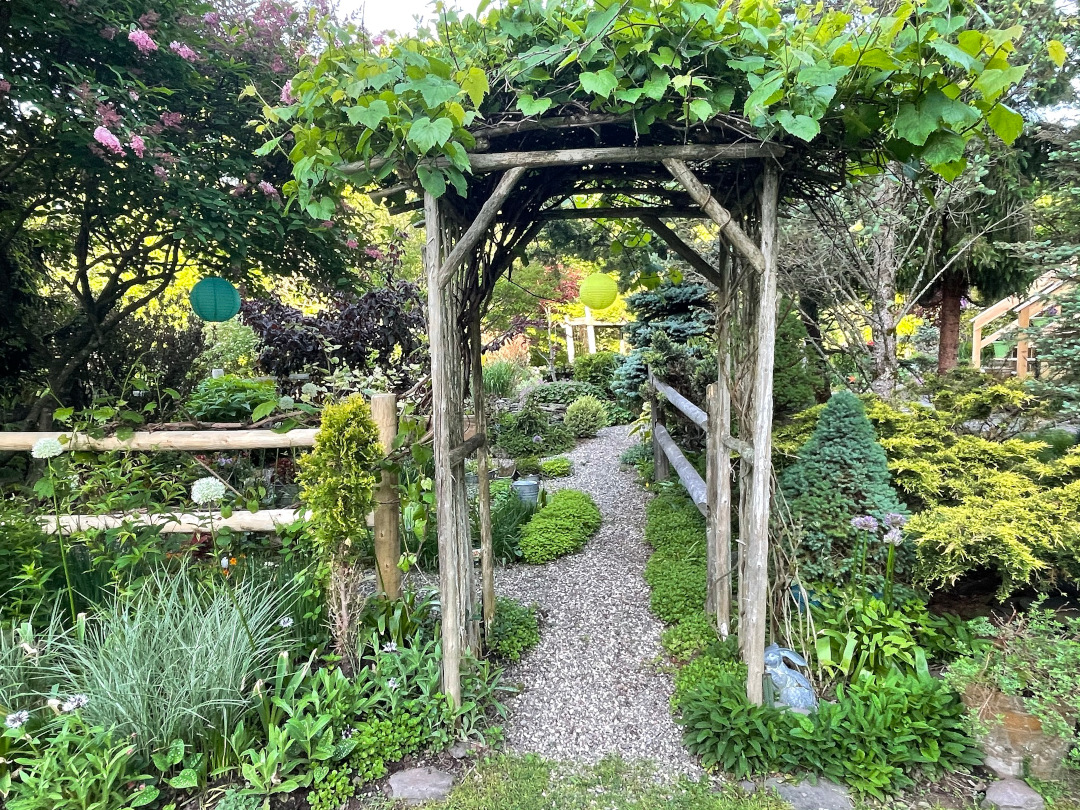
(755, 524)
(487, 554)
(718, 485)
(661, 469)
(590, 331)
(387, 503)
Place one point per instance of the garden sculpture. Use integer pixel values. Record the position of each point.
(792, 687)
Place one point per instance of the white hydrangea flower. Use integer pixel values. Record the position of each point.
(17, 719)
(47, 447)
(207, 490)
(308, 390)
(75, 702)
(286, 402)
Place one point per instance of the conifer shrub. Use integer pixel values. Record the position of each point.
(560, 528)
(585, 417)
(841, 473)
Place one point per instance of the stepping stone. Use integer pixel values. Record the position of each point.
(806, 795)
(418, 785)
(1012, 794)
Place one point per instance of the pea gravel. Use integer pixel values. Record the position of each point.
(594, 685)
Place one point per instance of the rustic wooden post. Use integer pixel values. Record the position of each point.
(713, 449)
(661, 468)
(487, 554)
(1023, 345)
(755, 524)
(590, 331)
(719, 459)
(387, 503)
(568, 327)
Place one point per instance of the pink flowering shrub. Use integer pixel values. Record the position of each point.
(138, 146)
(183, 51)
(108, 140)
(141, 40)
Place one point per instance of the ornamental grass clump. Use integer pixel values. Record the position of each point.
(560, 528)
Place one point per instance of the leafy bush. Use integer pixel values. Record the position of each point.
(516, 629)
(531, 432)
(231, 346)
(508, 515)
(585, 417)
(841, 473)
(563, 393)
(597, 369)
(691, 636)
(560, 528)
(337, 477)
(877, 735)
(678, 587)
(229, 399)
(502, 377)
(558, 467)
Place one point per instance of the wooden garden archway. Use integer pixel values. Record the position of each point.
(735, 182)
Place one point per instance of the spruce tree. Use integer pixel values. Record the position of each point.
(841, 473)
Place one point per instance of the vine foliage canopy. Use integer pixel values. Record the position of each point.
(842, 90)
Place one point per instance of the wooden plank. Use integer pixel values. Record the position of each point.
(479, 227)
(734, 234)
(265, 520)
(387, 503)
(685, 406)
(166, 440)
(468, 447)
(691, 479)
(755, 524)
(487, 551)
(622, 212)
(500, 161)
(682, 249)
(661, 471)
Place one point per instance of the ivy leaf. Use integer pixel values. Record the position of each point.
(433, 180)
(530, 105)
(370, 116)
(601, 83)
(426, 134)
(1006, 123)
(801, 126)
(1057, 53)
(475, 84)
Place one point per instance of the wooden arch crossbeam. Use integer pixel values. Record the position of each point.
(470, 242)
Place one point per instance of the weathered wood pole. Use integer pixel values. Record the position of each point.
(590, 330)
(661, 468)
(569, 329)
(387, 502)
(755, 524)
(720, 433)
(487, 553)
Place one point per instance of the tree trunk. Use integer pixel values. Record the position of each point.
(952, 290)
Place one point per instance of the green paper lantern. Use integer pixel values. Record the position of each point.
(215, 299)
(598, 291)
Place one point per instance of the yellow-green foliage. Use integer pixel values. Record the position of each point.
(562, 527)
(585, 416)
(978, 502)
(338, 475)
(676, 572)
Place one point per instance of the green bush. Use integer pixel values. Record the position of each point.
(690, 637)
(597, 369)
(558, 467)
(338, 476)
(878, 734)
(618, 415)
(531, 432)
(841, 473)
(502, 377)
(516, 629)
(562, 527)
(231, 346)
(585, 417)
(509, 514)
(563, 393)
(678, 587)
(229, 399)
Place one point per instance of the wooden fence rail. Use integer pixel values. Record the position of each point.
(166, 440)
(265, 520)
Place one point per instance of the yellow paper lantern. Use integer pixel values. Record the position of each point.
(598, 291)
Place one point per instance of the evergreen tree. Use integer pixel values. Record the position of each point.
(842, 473)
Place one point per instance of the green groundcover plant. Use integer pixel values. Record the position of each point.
(560, 528)
(516, 629)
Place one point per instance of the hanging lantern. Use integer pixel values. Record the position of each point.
(215, 299)
(598, 291)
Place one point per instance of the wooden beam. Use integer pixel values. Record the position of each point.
(734, 234)
(265, 520)
(683, 250)
(755, 523)
(621, 212)
(166, 440)
(690, 477)
(538, 124)
(468, 447)
(387, 503)
(685, 406)
(480, 225)
(500, 161)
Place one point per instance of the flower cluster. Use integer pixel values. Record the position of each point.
(865, 523)
(184, 51)
(207, 490)
(141, 40)
(47, 447)
(17, 719)
(75, 702)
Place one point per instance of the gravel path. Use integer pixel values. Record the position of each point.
(593, 686)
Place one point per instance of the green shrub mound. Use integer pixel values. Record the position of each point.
(841, 473)
(516, 629)
(558, 467)
(585, 417)
(690, 637)
(228, 398)
(878, 735)
(565, 392)
(676, 572)
(597, 369)
(530, 432)
(560, 528)
(678, 587)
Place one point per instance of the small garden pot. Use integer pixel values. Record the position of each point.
(1001, 350)
(527, 489)
(1013, 738)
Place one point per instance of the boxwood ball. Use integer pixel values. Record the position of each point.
(598, 291)
(215, 299)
